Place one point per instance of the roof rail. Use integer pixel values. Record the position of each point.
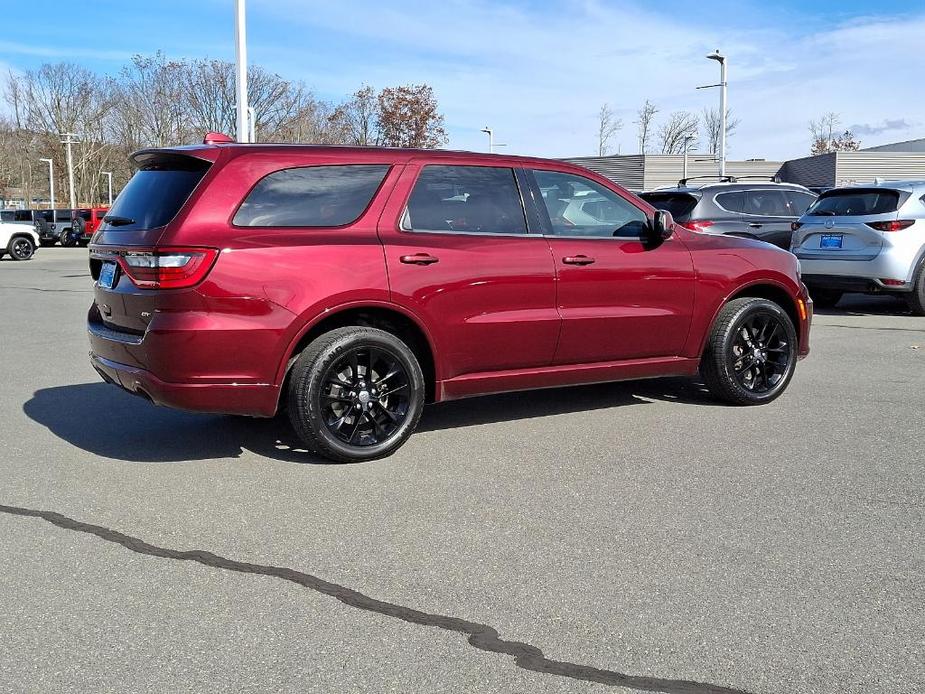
(722, 179)
(774, 179)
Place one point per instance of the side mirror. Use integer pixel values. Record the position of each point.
(662, 225)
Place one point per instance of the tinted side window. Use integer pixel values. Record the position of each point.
(313, 196)
(8, 216)
(768, 203)
(578, 206)
(732, 202)
(471, 199)
(798, 202)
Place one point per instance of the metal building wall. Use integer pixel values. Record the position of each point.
(626, 170)
(864, 167)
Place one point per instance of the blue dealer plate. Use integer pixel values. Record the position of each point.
(830, 241)
(107, 275)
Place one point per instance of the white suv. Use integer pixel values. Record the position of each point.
(864, 238)
(19, 240)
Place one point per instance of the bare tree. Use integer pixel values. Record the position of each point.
(679, 133)
(645, 117)
(359, 117)
(824, 139)
(408, 117)
(711, 127)
(607, 126)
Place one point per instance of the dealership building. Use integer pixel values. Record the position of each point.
(638, 172)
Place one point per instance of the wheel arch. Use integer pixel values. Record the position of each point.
(388, 317)
(760, 289)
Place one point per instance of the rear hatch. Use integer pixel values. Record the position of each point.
(679, 204)
(842, 224)
(128, 267)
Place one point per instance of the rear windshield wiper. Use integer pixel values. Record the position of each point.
(822, 213)
(117, 221)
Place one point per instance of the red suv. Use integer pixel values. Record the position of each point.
(87, 221)
(352, 285)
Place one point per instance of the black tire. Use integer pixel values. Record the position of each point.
(21, 248)
(332, 394)
(751, 352)
(66, 239)
(825, 298)
(916, 298)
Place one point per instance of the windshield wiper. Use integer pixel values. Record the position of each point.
(822, 213)
(118, 221)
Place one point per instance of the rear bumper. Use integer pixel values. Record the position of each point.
(895, 263)
(848, 283)
(258, 400)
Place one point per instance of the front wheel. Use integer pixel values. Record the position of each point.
(356, 394)
(751, 352)
(21, 248)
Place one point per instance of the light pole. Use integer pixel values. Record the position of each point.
(240, 32)
(491, 142)
(252, 124)
(687, 139)
(108, 175)
(51, 182)
(721, 59)
(68, 140)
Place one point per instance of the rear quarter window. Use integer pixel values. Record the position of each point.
(312, 196)
(680, 205)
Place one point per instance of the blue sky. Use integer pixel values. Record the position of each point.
(538, 71)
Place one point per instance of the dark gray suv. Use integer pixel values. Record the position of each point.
(761, 210)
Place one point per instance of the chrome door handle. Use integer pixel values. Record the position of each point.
(577, 260)
(755, 225)
(419, 259)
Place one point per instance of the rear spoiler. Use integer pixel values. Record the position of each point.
(201, 153)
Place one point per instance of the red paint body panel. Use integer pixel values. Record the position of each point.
(498, 312)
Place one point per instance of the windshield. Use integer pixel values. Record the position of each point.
(850, 202)
(155, 194)
(679, 205)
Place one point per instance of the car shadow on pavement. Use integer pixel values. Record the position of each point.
(107, 422)
(867, 305)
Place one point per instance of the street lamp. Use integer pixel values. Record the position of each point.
(721, 59)
(108, 175)
(51, 182)
(491, 141)
(687, 139)
(69, 140)
(240, 32)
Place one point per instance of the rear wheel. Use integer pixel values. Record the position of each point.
(21, 248)
(751, 352)
(916, 299)
(66, 239)
(355, 394)
(825, 298)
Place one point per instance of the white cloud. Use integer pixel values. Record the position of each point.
(538, 75)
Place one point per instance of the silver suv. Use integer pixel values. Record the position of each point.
(865, 238)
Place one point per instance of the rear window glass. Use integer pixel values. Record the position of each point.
(853, 202)
(679, 205)
(155, 193)
(315, 196)
(63, 215)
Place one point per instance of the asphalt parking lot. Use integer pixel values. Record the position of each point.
(622, 537)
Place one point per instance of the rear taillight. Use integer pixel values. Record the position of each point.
(697, 224)
(895, 225)
(167, 268)
(795, 225)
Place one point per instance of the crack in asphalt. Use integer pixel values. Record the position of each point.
(42, 289)
(480, 636)
(864, 327)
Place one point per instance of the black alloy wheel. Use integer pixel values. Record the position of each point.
(761, 353)
(365, 396)
(21, 248)
(751, 352)
(356, 393)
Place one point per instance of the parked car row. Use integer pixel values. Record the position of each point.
(64, 226)
(866, 238)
